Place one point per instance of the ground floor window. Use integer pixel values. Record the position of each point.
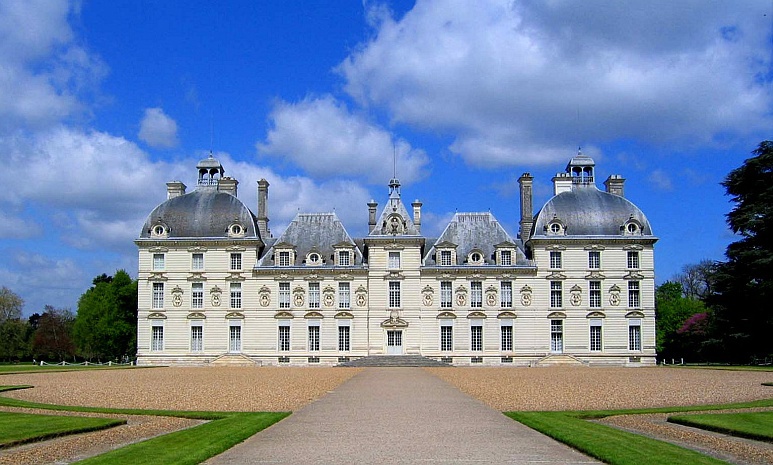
(506, 335)
(595, 335)
(476, 337)
(157, 338)
(235, 339)
(634, 334)
(447, 337)
(197, 338)
(556, 336)
(313, 338)
(284, 337)
(343, 338)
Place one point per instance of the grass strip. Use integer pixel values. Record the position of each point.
(26, 369)
(189, 446)
(610, 445)
(23, 428)
(751, 425)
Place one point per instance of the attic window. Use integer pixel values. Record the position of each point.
(556, 228)
(313, 258)
(475, 258)
(344, 258)
(284, 258)
(159, 230)
(632, 227)
(236, 230)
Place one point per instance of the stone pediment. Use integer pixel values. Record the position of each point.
(446, 316)
(196, 316)
(394, 323)
(283, 315)
(555, 275)
(595, 275)
(503, 315)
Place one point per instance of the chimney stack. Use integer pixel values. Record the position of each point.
(527, 217)
(174, 189)
(372, 215)
(417, 214)
(263, 209)
(614, 184)
(227, 185)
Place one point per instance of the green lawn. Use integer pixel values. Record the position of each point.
(190, 446)
(752, 425)
(21, 428)
(29, 368)
(614, 446)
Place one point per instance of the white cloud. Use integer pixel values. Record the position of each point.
(517, 83)
(157, 129)
(19, 228)
(325, 139)
(661, 180)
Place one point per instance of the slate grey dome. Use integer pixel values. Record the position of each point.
(203, 213)
(588, 211)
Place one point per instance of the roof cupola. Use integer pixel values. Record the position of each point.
(210, 171)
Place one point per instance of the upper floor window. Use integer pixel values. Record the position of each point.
(158, 295)
(197, 261)
(394, 260)
(394, 294)
(445, 258)
(344, 258)
(556, 294)
(506, 294)
(446, 296)
(633, 260)
(313, 295)
(236, 295)
(634, 296)
(594, 297)
(344, 297)
(236, 262)
(476, 294)
(284, 258)
(555, 260)
(158, 262)
(284, 295)
(197, 295)
(505, 258)
(594, 260)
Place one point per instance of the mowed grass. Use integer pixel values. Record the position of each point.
(222, 431)
(22, 428)
(615, 446)
(29, 368)
(752, 425)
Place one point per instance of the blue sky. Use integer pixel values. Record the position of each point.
(102, 103)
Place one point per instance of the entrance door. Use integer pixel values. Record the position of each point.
(394, 342)
(556, 336)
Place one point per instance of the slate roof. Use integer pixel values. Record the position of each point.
(588, 211)
(469, 231)
(203, 213)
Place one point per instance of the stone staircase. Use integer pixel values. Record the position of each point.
(233, 360)
(559, 360)
(394, 361)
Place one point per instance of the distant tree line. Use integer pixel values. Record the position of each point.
(104, 328)
(719, 311)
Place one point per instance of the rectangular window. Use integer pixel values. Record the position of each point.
(284, 295)
(555, 260)
(556, 295)
(506, 337)
(236, 295)
(284, 258)
(343, 258)
(634, 298)
(476, 337)
(313, 338)
(344, 300)
(313, 295)
(446, 294)
(197, 338)
(157, 338)
(505, 258)
(476, 294)
(556, 336)
(343, 338)
(446, 337)
(236, 262)
(594, 260)
(633, 260)
(394, 260)
(158, 295)
(197, 295)
(394, 294)
(158, 262)
(445, 258)
(634, 334)
(595, 334)
(506, 294)
(197, 261)
(594, 297)
(235, 339)
(284, 338)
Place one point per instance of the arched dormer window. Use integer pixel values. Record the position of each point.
(159, 229)
(475, 257)
(632, 227)
(555, 227)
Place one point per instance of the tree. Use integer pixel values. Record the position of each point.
(695, 279)
(53, 338)
(672, 311)
(10, 305)
(106, 325)
(14, 344)
(743, 285)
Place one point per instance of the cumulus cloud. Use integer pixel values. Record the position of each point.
(321, 136)
(157, 129)
(516, 82)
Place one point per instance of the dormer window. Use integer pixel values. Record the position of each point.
(632, 227)
(555, 228)
(236, 230)
(475, 258)
(505, 257)
(313, 258)
(284, 258)
(445, 258)
(159, 230)
(344, 258)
